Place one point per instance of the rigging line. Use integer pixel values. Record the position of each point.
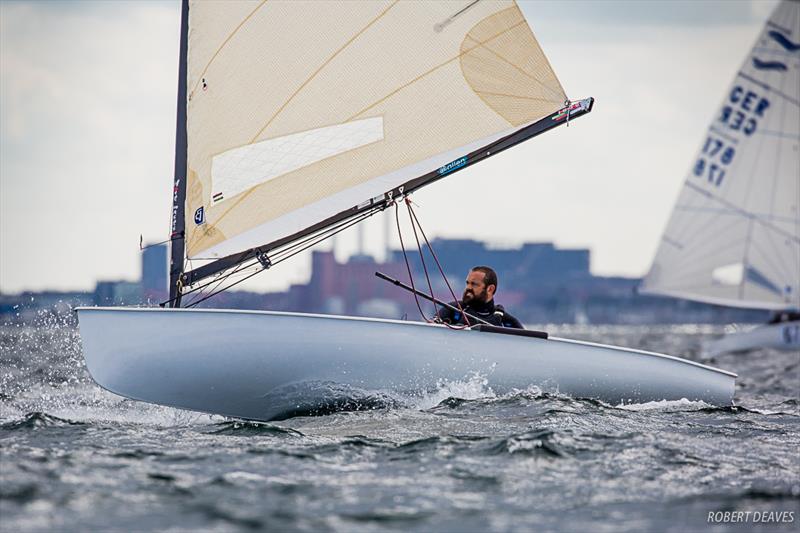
(358, 217)
(252, 261)
(224, 43)
(218, 282)
(430, 71)
(405, 258)
(421, 257)
(201, 287)
(225, 288)
(321, 238)
(438, 264)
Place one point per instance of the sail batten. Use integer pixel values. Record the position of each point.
(739, 208)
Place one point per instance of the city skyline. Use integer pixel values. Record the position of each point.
(88, 133)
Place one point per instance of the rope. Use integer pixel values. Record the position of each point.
(438, 264)
(414, 224)
(282, 255)
(421, 257)
(408, 267)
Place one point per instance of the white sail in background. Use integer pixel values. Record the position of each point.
(734, 235)
(298, 111)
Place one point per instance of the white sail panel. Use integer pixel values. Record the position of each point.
(240, 169)
(739, 210)
(441, 76)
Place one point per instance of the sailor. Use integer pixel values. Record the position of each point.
(478, 301)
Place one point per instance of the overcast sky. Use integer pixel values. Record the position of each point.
(87, 118)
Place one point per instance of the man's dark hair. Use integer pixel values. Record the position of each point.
(490, 276)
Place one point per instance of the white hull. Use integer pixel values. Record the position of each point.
(783, 336)
(268, 365)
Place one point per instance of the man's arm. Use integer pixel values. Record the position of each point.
(507, 320)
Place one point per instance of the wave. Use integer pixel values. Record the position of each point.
(244, 428)
(38, 420)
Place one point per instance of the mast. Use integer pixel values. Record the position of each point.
(178, 218)
(572, 111)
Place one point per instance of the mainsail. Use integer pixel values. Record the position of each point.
(734, 236)
(299, 114)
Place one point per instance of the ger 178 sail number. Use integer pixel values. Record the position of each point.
(741, 113)
(719, 157)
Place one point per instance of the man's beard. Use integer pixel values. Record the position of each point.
(469, 296)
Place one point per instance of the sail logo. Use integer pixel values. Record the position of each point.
(200, 216)
(453, 165)
(569, 110)
(782, 40)
(769, 65)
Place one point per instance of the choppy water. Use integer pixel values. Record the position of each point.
(74, 457)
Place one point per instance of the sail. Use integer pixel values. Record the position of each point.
(297, 111)
(734, 236)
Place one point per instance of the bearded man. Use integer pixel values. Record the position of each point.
(478, 301)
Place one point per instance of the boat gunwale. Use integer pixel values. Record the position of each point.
(397, 322)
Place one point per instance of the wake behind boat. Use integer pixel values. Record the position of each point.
(267, 365)
(292, 128)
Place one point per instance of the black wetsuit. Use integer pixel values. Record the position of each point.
(488, 311)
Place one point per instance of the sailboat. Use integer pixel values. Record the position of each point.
(734, 235)
(296, 120)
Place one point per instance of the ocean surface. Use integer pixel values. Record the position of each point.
(74, 457)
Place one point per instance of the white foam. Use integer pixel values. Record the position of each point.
(473, 387)
(683, 404)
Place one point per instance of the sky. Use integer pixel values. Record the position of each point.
(87, 129)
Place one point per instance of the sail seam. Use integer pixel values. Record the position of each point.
(488, 93)
(504, 59)
(437, 67)
(224, 43)
(319, 69)
(295, 93)
(769, 88)
(743, 212)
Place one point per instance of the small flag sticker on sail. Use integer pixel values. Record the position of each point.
(217, 197)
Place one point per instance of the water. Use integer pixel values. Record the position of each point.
(76, 458)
